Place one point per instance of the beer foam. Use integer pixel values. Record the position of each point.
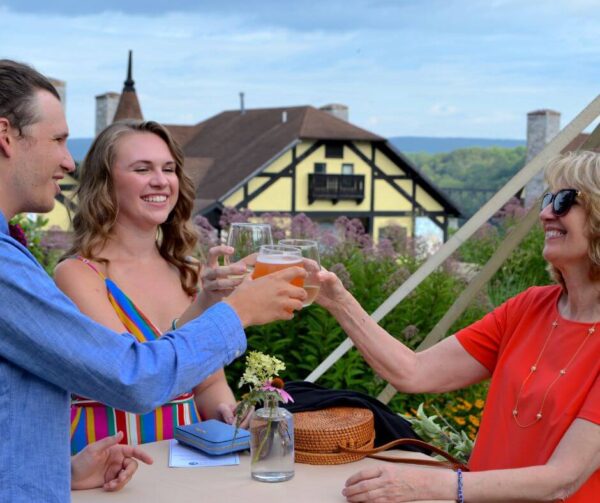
(279, 259)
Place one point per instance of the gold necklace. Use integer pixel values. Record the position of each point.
(533, 370)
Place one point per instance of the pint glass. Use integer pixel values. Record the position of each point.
(273, 258)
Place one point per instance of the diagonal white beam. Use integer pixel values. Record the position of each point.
(516, 183)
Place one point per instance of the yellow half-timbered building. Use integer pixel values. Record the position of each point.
(306, 160)
(293, 160)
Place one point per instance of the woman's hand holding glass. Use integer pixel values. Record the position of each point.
(312, 264)
(219, 281)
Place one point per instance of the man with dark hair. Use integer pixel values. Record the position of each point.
(48, 348)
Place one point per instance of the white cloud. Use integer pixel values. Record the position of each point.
(426, 69)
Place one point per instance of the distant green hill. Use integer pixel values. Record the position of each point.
(436, 145)
(472, 170)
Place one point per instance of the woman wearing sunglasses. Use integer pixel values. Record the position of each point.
(539, 438)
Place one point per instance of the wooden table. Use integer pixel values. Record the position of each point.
(229, 484)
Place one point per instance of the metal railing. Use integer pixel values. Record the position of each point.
(336, 187)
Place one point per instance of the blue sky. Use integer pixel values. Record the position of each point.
(460, 68)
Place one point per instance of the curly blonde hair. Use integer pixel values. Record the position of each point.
(581, 171)
(97, 207)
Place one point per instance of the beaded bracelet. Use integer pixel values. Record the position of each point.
(174, 324)
(459, 496)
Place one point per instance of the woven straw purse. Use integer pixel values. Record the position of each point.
(340, 435)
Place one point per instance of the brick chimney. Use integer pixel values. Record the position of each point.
(542, 127)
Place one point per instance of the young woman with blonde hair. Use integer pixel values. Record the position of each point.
(130, 269)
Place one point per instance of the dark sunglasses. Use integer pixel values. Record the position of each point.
(561, 201)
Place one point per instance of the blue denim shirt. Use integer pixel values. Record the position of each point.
(49, 349)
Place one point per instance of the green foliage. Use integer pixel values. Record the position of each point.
(34, 233)
(472, 168)
(525, 266)
(313, 334)
(444, 435)
(372, 276)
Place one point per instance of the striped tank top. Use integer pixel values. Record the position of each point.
(91, 420)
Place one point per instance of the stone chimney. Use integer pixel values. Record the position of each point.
(106, 106)
(542, 127)
(337, 110)
(61, 88)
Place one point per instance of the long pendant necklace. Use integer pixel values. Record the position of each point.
(533, 369)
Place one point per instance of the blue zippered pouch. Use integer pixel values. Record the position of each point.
(213, 437)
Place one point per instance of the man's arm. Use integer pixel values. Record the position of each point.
(45, 334)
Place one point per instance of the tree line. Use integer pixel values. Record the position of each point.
(470, 168)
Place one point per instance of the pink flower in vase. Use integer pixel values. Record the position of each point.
(273, 385)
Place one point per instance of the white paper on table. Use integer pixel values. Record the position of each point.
(181, 456)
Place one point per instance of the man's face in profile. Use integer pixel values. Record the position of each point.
(41, 157)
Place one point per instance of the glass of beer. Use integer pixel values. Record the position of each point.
(310, 250)
(273, 258)
(246, 239)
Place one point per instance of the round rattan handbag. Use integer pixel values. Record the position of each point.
(320, 435)
(340, 435)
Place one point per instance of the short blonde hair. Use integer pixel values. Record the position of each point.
(581, 171)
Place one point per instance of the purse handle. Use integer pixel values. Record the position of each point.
(452, 462)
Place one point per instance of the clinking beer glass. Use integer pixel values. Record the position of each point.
(273, 258)
(310, 251)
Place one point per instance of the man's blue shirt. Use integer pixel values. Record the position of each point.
(49, 349)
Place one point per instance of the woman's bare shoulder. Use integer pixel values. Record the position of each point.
(74, 268)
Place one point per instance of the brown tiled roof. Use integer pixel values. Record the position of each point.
(240, 144)
(128, 107)
(576, 143)
(197, 168)
(200, 205)
(182, 134)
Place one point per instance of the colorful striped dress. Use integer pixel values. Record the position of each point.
(91, 421)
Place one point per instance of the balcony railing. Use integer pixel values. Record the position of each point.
(336, 187)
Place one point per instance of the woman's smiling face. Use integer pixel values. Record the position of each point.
(565, 242)
(144, 179)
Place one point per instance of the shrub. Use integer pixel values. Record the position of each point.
(46, 250)
(372, 273)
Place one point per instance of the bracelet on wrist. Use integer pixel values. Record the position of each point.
(460, 498)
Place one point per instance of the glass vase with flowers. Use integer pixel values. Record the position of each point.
(271, 427)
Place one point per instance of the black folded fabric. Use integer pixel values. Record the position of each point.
(388, 425)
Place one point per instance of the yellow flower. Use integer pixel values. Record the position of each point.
(468, 405)
(479, 403)
(459, 420)
(474, 419)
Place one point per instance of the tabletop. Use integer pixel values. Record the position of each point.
(158, 483)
